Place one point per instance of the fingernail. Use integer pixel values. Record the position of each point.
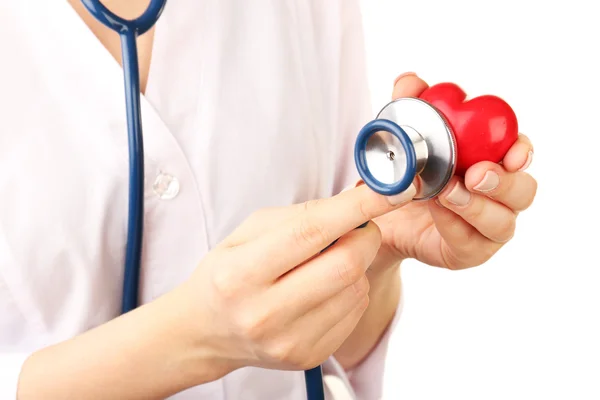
(489, 182)
(403, 197)
(403, 75)
(528, 161)
(459, 195)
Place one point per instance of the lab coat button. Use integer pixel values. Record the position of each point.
(166, 186)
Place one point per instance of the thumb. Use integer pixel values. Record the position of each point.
(408, 84)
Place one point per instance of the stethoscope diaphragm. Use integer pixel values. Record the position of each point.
(409, 140)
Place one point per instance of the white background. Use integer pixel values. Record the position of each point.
(526, 325)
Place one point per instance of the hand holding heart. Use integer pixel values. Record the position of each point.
(476, 214)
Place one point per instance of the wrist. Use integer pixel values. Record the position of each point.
(193, 350)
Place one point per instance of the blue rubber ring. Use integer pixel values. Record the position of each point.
(360, 157)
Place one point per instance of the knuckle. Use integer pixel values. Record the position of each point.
(348, 270)
(227, 284)
(361, 287)
(365, 210)
(452, 261)
(364, 304)
(283, 352)
(475, 210)
(305, 356)
(309, 232)
(253, 325)
(506, 229)
(311, 362)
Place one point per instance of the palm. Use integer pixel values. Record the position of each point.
(410, 232)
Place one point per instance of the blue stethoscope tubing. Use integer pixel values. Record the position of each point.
(129, 31)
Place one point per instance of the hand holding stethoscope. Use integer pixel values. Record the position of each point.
(282, 325)
(269, 296)
(298, 321)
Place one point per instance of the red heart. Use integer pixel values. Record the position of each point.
(485, 127)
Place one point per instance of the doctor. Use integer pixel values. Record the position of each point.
(250, 115)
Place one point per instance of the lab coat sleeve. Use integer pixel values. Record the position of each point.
(10, 369)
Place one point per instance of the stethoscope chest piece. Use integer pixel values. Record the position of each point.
(408, 141)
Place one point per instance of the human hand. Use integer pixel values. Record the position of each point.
(268, 296)
(470, 220)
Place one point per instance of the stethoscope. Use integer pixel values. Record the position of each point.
(408, 140)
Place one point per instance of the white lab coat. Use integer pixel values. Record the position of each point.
(248, 105)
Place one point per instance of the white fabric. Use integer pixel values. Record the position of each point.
(248, 105)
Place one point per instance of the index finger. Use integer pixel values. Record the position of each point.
(322, 222)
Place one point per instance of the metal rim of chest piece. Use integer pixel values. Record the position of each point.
(409, 140)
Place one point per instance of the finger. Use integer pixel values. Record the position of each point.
(515, 190)
(408, 85)
(339, 267)
(327, 326)
(492, 219)
(323, 331)
(260, 221)
(331, 340)
(265, 219)
(519, 156)
(322, 222)
(461, 245)
(320, 320)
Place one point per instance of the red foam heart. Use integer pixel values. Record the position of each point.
(485, 127)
